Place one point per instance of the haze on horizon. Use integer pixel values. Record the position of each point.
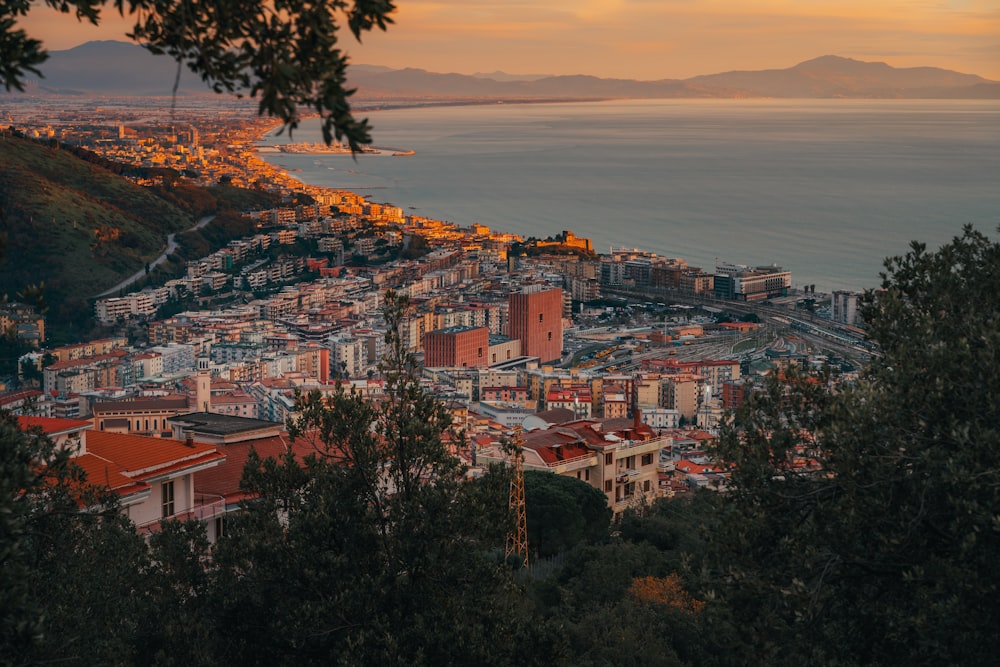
(644, 39)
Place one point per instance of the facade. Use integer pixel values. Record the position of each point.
(682, 392)
(535, 318)
(845, 307)
(457, 347)
(503, 349)
(617, 456)
(745, 284)
(153, 477)
(146, 416)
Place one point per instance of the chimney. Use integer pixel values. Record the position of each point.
(636, 418)
(188, 438)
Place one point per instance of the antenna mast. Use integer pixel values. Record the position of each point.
(517, 539)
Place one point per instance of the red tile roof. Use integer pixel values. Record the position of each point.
(143, 457)
(224, 480)
(52, 425)
(103, 473)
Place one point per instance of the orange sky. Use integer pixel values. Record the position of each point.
(649, 39)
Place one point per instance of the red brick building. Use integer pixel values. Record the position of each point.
(457, 347)
(535, 318)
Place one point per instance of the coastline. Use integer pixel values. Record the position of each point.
(701, 180)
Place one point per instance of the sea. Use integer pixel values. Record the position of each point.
(824, 188)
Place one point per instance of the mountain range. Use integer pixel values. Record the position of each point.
(123, 68)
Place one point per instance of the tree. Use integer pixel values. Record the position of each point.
(71, 566)
(563, 512)
(284, 52)
(887, 554)
(372, 549)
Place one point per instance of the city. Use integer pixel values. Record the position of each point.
(505, 330)
(374, 393)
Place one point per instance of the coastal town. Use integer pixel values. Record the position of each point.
(615, 369)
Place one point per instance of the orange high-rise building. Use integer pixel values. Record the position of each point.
(535, 318)
(457, 347)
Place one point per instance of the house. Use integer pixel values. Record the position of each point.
(617, 456)
(153, 477)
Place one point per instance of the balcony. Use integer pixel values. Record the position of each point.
(645, 445)
(207, 506)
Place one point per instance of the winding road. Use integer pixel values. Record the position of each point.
(171, 247)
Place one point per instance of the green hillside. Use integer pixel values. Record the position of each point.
(74, 225)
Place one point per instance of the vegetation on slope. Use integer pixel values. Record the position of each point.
(74, 225)
(71, 221)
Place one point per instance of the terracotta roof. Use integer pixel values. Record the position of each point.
(103, 473)
(555, 415)
(84, 361)
(52, 425)
(233, 397)
(689, 467)
(18, 395)
(141, 456)
(224, 480)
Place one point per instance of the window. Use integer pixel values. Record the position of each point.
(647, 459)
(608, 459)
(167, 498)
(645, 486)
(220, 527)
(607, 486)
(480, 352)
(541, 316)
(550, 335)
(586, 474)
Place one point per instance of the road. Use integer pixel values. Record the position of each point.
(171, 247)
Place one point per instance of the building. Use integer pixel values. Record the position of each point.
(146, 416)
(617, 456)
(535, 318)
(152, 477)
(845, 307)
(735, 281)
(682, 392)
(457, 347)
(576, 398)
(503, 349)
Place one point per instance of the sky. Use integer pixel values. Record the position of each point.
(646, 39)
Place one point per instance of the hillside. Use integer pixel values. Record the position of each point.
(74, 225)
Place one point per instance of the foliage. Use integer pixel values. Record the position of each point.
(886, 555)
(74, 226)
(68, 577)
(369, 550)
(563, 512)
(667, 591)
(284, 52)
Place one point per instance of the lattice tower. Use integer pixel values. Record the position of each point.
(517, 538)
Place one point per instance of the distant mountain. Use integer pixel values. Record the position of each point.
(114, 68)
(833, 76)
(503, 76)
(122, 68)
(824, 77)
